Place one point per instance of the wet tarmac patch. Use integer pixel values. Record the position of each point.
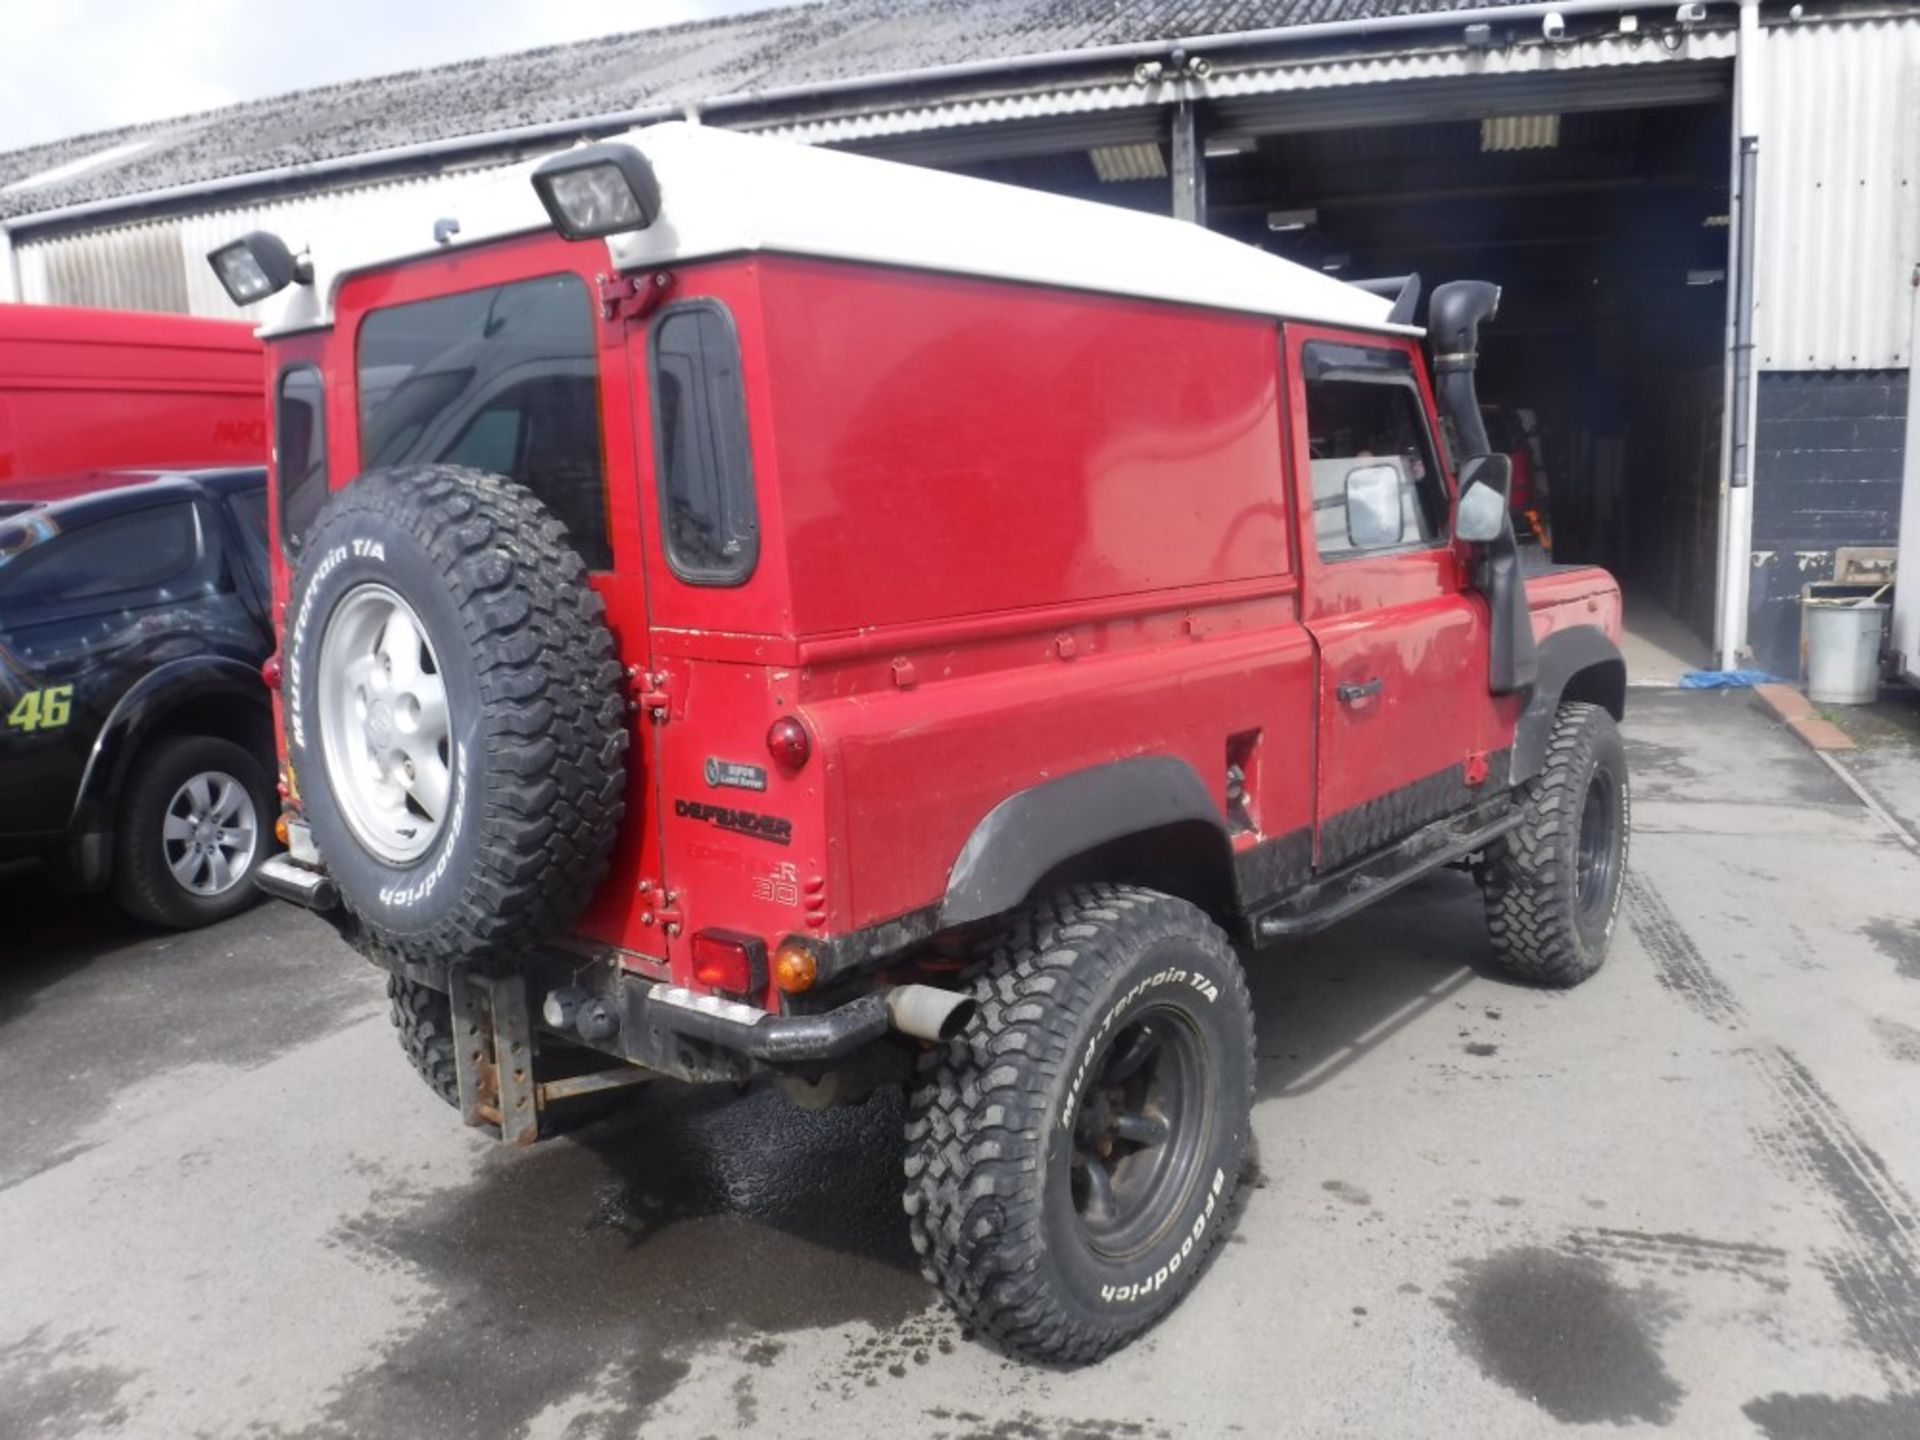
(1343, 1190)
(1481, 1049)
(1826, 1417)
(1559, 1331)
(50, 1390)
(1899, 941)
(602, 1264)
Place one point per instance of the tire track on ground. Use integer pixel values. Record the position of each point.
(1875, 1269)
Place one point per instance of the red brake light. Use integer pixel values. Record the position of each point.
(788, 742)
(726, 961)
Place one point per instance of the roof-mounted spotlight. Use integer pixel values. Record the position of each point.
(598, 190)
(257, 265)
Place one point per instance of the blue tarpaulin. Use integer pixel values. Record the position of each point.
(1724, 679)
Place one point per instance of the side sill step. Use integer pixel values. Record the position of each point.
(1349, 891)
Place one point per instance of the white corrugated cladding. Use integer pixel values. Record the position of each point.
(162, 264)
(1839, 196)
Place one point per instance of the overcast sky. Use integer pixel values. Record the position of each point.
(71, 66)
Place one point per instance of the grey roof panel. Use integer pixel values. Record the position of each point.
(803, 45)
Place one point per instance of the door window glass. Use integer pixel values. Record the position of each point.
(708, 517)
(300, 453)
(148, 557)
(504, 379)
(1376, 485)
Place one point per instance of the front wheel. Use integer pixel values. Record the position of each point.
(1552, 885)
(1072, 1155)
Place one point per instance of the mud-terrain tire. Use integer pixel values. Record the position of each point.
(1552, 885)
(423, 1019)
(1103, 1009)
(153, 834)
(510, 707)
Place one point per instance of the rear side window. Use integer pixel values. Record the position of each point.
(300, 453)
(505, 380)
(708, 518)
(1365, 417)
(146, 557)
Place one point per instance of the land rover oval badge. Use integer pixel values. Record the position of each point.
(732, 775)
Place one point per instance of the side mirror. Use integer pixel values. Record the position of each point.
(1374, 518)
(1482, 512)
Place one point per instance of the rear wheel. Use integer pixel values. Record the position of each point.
(192, 831)
(423, 1019)
(1552, 885)
(1072, 1155)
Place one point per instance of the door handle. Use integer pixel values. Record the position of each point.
(1352, 692)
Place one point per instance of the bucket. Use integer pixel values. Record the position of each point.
(1843, 651)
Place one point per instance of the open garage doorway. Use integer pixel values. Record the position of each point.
(1607, 232)
(1601, 208)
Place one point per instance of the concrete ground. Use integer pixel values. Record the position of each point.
(1679, 1201)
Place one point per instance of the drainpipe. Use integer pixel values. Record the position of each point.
(1189, 163)
(1736, 495)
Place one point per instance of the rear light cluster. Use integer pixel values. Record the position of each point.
(730, 962)
(736, 964)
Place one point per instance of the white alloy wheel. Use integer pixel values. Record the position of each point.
(385, 731)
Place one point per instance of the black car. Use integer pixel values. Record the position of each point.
(136, 740)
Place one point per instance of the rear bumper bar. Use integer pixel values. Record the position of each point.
(663, 1027)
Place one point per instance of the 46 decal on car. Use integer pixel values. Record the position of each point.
(47, 709)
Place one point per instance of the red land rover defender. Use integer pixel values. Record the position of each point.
(757, 609)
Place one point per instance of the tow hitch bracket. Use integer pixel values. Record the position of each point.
(493, 1059)
(493, 1054)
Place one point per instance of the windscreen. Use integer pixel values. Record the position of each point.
(503, 379)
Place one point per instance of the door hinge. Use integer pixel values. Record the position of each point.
(632, 297)
(650, 693)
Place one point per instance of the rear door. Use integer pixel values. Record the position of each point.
(519, 370)
(1403, 703)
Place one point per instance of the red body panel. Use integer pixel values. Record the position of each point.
(1005, 534)
(88, 389)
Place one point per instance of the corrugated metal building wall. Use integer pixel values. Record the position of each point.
(162, 264)
(1838, 255)
(1839, 190)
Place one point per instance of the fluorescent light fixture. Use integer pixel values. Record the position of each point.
(1706, 277)
(1232, 145)
(1115, 163)
(1519, 132)
(1717, 222)
(1283, 221)
(598, 190)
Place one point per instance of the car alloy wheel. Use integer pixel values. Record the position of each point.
(210, 833)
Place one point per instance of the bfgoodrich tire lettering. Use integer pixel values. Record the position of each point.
(1552, 885)
(1002, 1222)
(536, 722)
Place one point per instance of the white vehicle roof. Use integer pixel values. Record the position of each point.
(726, 193)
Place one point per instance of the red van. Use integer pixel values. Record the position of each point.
(98, 389)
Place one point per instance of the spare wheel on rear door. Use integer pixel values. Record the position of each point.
(454, 712)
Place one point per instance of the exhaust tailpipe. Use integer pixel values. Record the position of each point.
(927, 1012)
